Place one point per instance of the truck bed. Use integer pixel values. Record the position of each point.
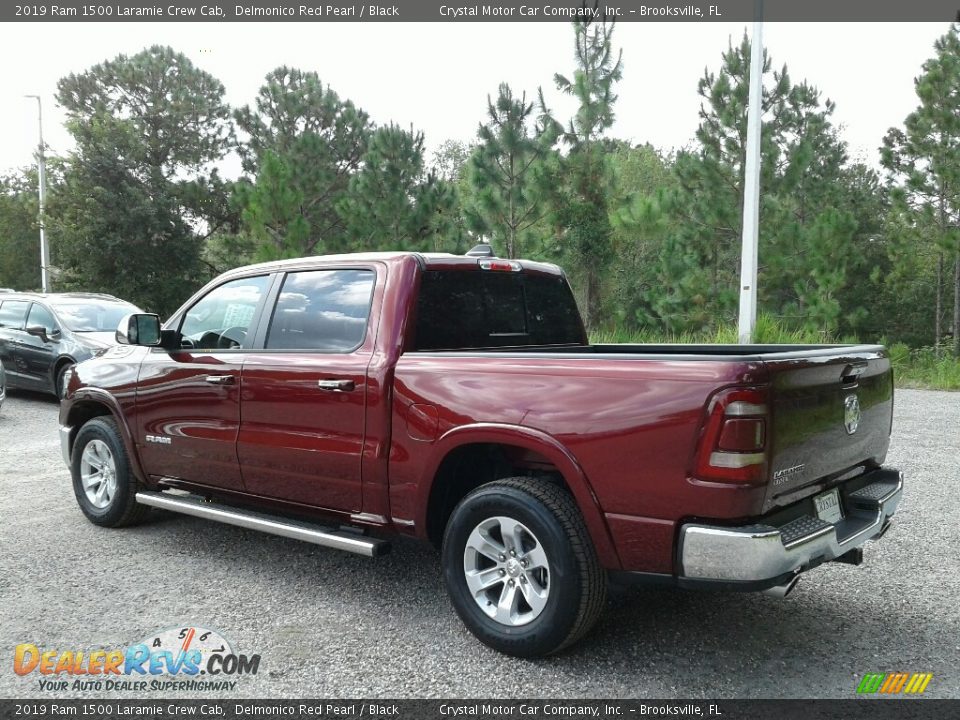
(633, 414)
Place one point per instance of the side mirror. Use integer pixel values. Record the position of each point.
(139, 329)
(37, 331)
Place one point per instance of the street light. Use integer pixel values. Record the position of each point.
(41, 161)
(751, 186)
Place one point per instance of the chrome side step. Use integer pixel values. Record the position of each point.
(193, 505)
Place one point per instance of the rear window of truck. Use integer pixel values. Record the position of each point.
(460, 310)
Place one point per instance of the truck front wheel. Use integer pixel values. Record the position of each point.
(102, 481)
(520, 569)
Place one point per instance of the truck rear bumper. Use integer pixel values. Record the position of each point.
(756, 553)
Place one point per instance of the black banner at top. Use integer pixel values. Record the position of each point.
(214, 11)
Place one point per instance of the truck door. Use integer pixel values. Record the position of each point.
(305, 392)
(188, 400)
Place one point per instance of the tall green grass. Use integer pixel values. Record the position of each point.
(922, 368)
(912, 368)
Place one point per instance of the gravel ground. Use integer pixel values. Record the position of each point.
(330, 624)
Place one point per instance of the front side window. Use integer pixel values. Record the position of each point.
(13, 313)
(324, 310)
(41, 317)
(221, 319)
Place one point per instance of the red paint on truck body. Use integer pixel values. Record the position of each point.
(621, 425)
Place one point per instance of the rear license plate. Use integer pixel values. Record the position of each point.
(828, 506)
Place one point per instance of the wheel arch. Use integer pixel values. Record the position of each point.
(88, 404)
(57, 366)
(482, 445)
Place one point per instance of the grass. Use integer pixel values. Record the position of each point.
(912, 368)
(921, 368)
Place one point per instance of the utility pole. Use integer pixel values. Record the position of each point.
(751, 186)
(42, 163)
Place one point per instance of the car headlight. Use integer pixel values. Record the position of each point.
(67, 376)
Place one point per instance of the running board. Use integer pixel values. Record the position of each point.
(193, 505)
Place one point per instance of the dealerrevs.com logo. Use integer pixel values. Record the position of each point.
(181, 658)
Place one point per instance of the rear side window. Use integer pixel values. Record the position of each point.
(13, 313)
(325, 310)
(482, 309)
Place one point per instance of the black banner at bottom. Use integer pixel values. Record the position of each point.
(872, 709)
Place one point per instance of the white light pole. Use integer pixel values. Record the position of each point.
(41, 161)
(751, 186)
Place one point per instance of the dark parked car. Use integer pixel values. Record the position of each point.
(42, 335)
(3, 386)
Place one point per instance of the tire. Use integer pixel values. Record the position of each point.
(58, 384)
(102, 482)
(563, 581)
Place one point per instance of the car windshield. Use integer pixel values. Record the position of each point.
(93, 315)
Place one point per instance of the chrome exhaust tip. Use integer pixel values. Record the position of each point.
(781, 591)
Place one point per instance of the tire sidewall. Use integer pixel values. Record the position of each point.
(99, 430)
(548, 630)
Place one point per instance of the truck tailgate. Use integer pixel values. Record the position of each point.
(830, 416)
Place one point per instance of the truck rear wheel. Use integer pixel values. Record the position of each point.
(520, 569)
(102, 482)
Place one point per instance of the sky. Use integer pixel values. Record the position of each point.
(436, 76)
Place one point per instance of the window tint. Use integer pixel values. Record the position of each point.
(41, 317)
(476, 309)
(13, 313)
(322, 310)
(222, 317)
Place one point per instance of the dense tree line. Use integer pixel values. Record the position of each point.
(650, 239)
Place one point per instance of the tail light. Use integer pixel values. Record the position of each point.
(733, 444)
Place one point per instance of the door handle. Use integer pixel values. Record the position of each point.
(850, 375)
(221, 379)
(336, 385)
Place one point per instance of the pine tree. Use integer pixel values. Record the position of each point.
(148, 130)
(505, 173)
(582, 178)
(923, 162)
(392, 203)
(319, 140)
(19, 238)
(273, 213)
(642, 177)
(805, 233)
(449, 165)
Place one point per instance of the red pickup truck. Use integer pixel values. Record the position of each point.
(343, 399)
